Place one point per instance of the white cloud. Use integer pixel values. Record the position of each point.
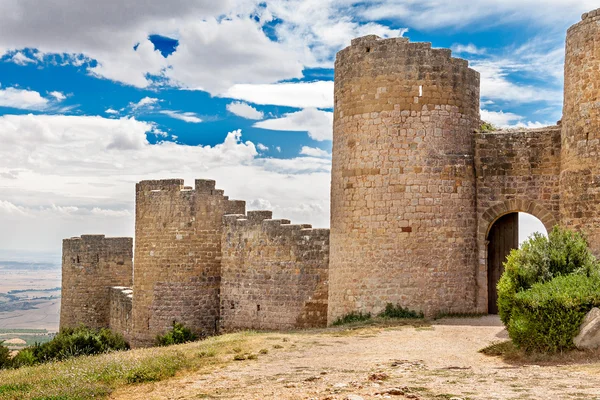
(183, 116)
(314, 152)
(77, 175)
(58, 95)
(262, 147)
(469, 49)
(147, 103)
(300, 95)
(318, 124)
(22, 99)
(20, 59)
(244, 110)
(509, 120)
(213, 56)
(435, 14)
(111, 111)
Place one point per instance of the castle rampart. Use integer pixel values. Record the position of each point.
(91, 265)
(416, 193)
(402, 179)
(274, 274)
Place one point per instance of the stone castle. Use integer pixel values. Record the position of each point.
(420, 207)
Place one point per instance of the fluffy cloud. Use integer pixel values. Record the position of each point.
(183, 116)
(314, 152)
(509, 120)
(77, 174)
(318, 124)
(22, 99)
(58, 95)
(145, 103)
(469, 49)
(244, 110)
(300, 95)
(21, 59)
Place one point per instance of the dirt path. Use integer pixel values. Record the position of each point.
(437, 362)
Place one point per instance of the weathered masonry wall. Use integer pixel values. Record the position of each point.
(121, 304)
(178, 256)
(274, 274)
(403, 218)
(580, 167)
(517, 171)
(92, 264)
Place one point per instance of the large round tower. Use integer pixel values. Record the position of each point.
(580, 155)
(403, 219)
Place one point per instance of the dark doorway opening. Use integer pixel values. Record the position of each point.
(502, 238)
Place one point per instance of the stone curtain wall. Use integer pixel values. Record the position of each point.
(178, 256)
(580, 168)
(516, 171)
(120, 310)
(92, 264)
(403, 220)
(274, 274)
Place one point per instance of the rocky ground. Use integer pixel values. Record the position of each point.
(437, 361)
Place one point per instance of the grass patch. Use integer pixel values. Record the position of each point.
(98, 376)
(352, 318)
(398, 312)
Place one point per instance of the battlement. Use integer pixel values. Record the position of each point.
(591, 15)
(276, 227)
(372, 46)
(204, 186)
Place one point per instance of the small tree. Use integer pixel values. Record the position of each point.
(178, 334)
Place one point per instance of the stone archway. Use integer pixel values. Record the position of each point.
(487, 220)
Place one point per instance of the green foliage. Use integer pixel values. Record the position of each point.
(14, 388)
(541, 259)
(71, 342)
(397, 311)
(548, 316)
(178, 334)
(352, 317)
(5, 358)
(24, 358)
(487, 127)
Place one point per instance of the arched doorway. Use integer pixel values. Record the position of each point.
(505, 234)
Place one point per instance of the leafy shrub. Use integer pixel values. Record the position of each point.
(5, 358)
(541, 259)
(71, 342)
(24, 358)
(178, 334)
(487, 127)
(548, 316)
(352, 317)
(397, 311)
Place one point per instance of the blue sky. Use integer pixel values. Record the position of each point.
(95, 96)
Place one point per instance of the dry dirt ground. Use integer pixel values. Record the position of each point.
(440, 361)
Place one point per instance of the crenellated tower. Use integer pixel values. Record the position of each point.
(403, 221)
(178, 256)
(91, 265)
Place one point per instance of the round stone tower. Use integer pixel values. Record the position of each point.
(580, 155)
(403, 218)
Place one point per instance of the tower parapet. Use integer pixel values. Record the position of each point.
(91, 264)
(403, 222)
(580, 169)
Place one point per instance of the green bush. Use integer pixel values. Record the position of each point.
(352, 317)
(548, 316)
(178, 334)
(71, 342)
(486, 127)
(541, 259)
(5, 358)
(397, 311)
